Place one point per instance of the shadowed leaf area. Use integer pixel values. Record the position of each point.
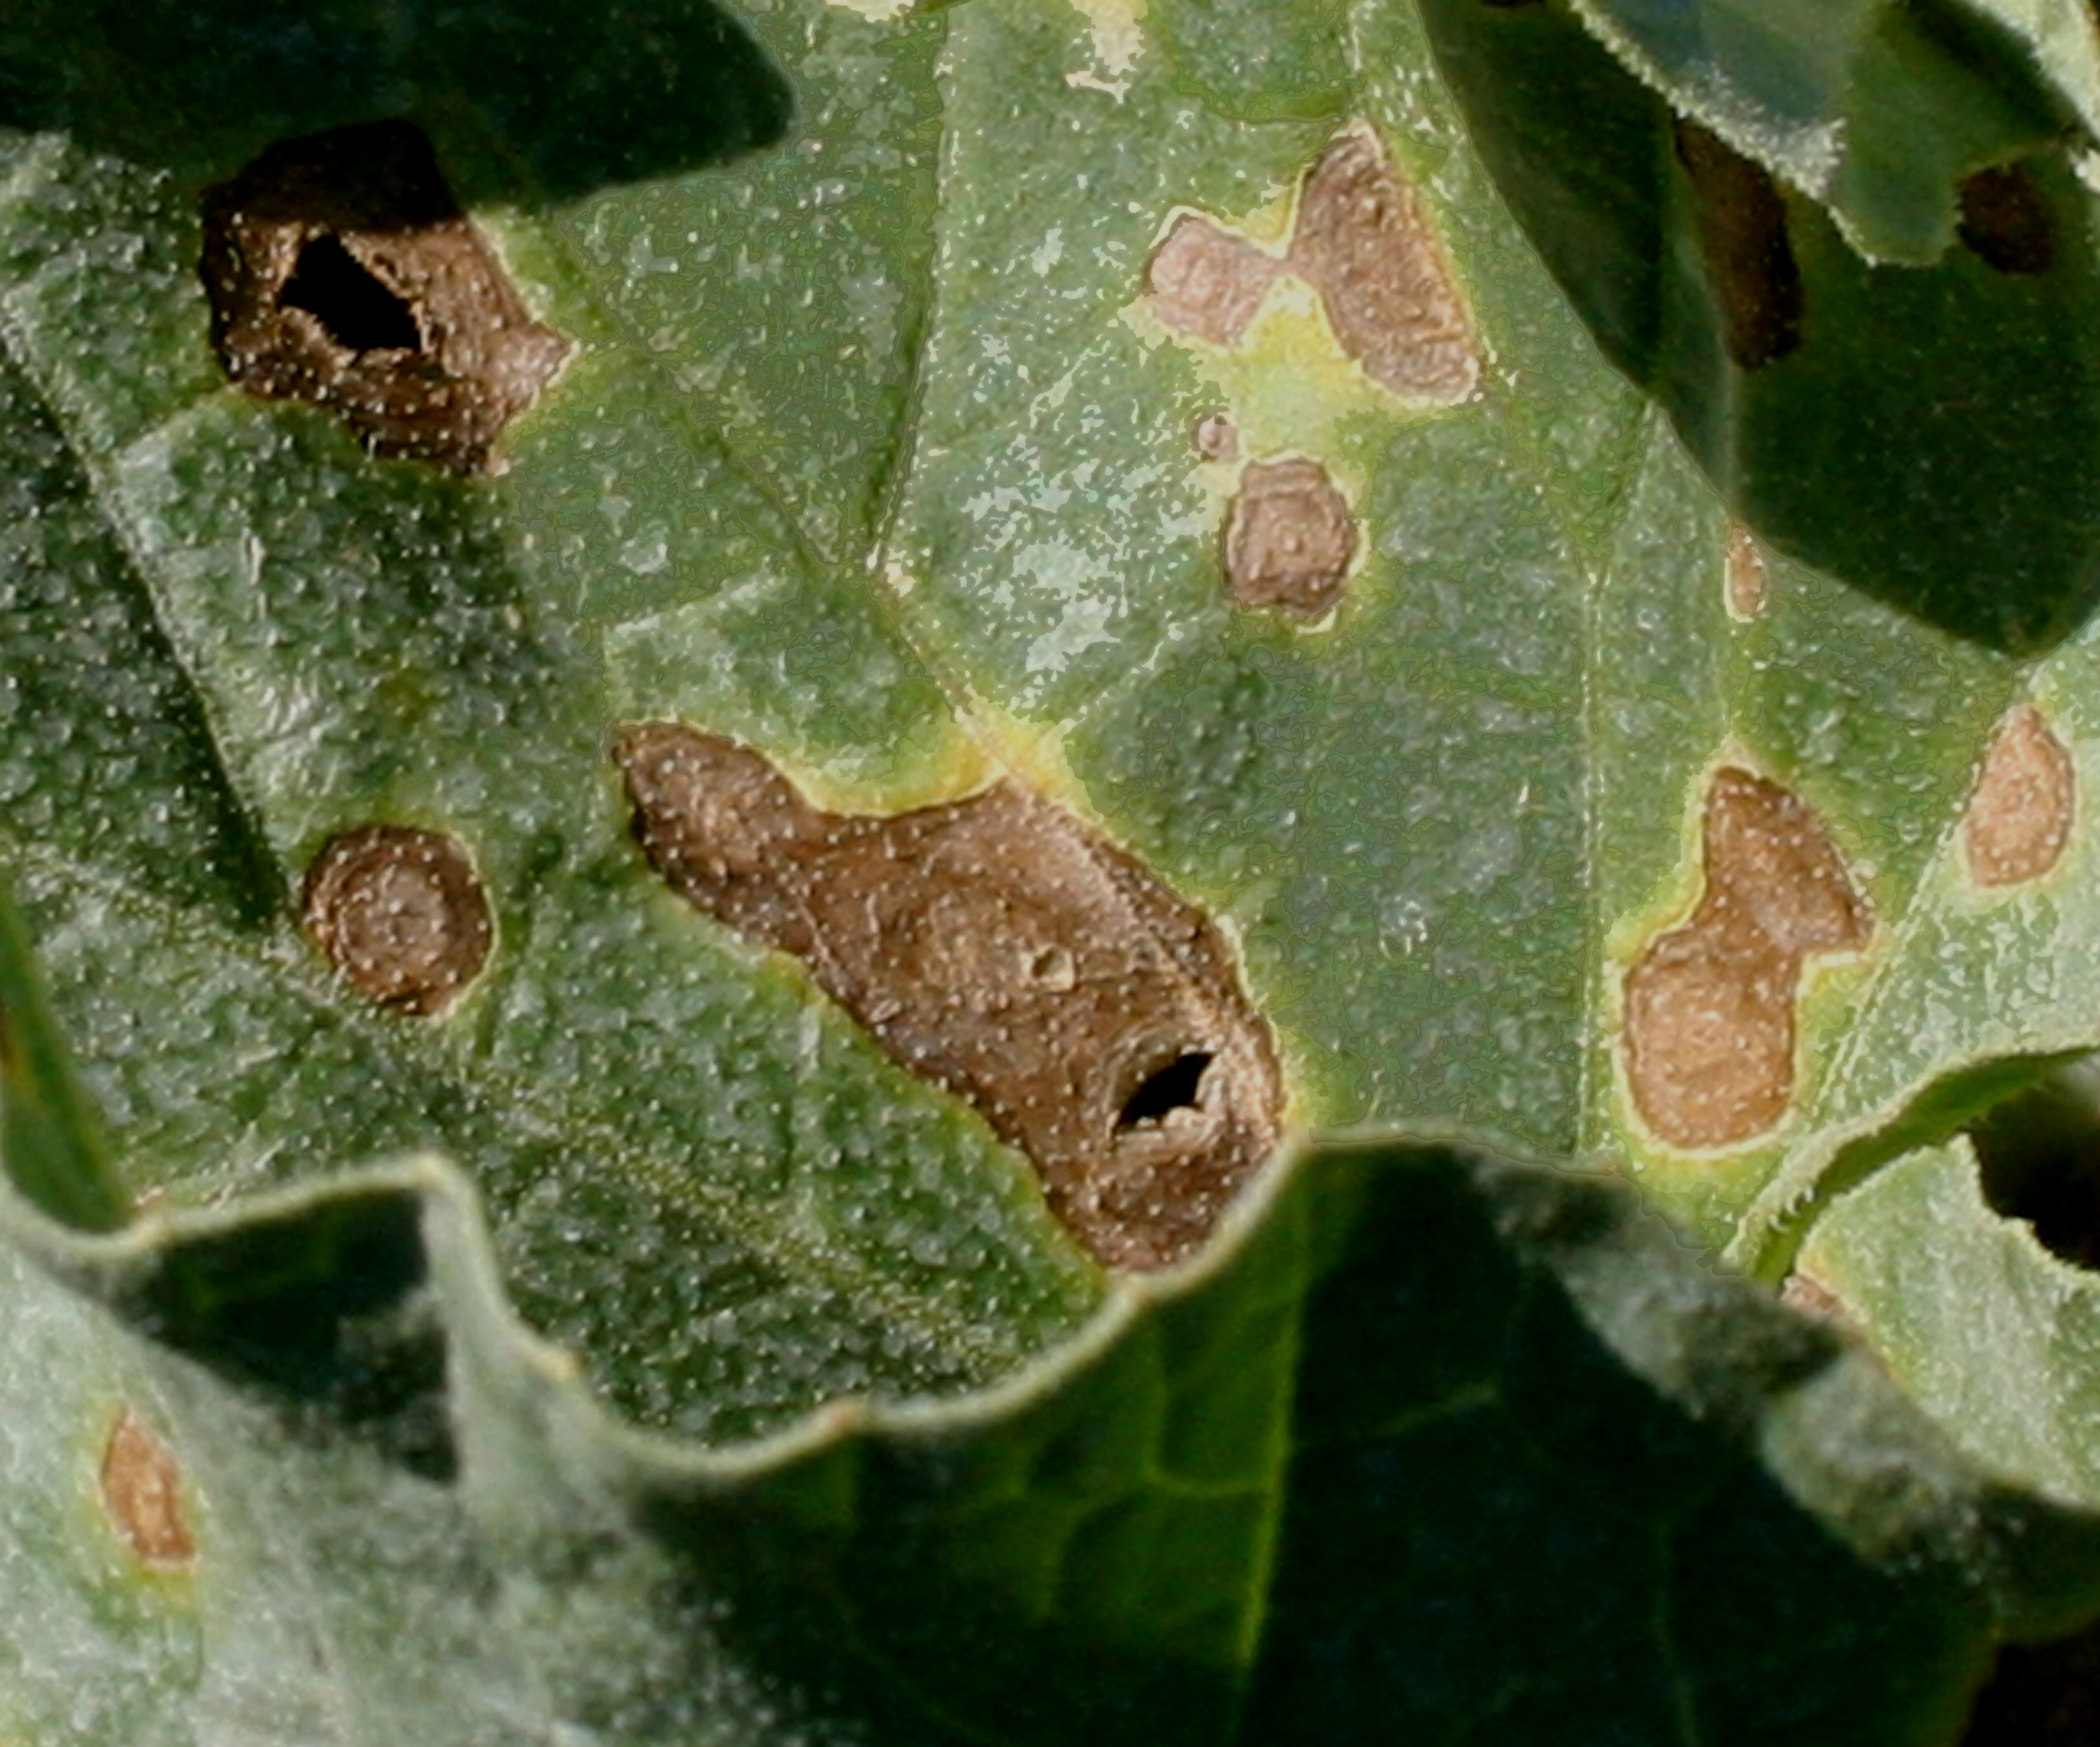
(650, 88)
(1912, 428)
(1253, 1505)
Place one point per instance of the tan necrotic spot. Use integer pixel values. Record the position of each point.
(142, 1492)
(400, 914)
(1745, 569)
(342, 273)
(1207, 283)
(1742, 227)
(1361, 241)
(1709, 1019)
(2019, 818)
(999, 947)
(1290, 538)
(2005, 222)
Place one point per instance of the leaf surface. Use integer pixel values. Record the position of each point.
(879, 449)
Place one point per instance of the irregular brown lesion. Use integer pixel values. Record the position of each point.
(142, 1495)
(1743, 236)
(2020, 815)
(1001, 948)
(1710, 1019)
(400, 914)
(342, 273)
(1361, 241)
(1206, 282)
(1289, 540)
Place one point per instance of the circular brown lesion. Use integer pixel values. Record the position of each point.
(400, 913)
(1290, 539)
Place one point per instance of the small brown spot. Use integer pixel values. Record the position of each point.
(2005, 222)
(1745, 569)
(342, 272)
(400, 914)
(1749, 256)
(1290, 538)
(1805, 1293)
(1709, 1005)
(2020, 817)
(1217, 438)
(1002, 950)
(1362, 242)
(1205, 282)
(141, 1490)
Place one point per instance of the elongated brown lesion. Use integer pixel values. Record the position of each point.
(1003, 949)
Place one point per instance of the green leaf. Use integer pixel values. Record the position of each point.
(1257, 1491)
(1992, 1334)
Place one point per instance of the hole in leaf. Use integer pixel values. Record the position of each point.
(2038, 1154)
(1177, 1086)
(999, 947)
(342, 273)
(339, 292)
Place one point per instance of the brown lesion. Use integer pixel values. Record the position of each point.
(1710, 1020)
(1289, 540)
(1361, 241)
(1743, 235)
(342, 273)
(2020, 815)
(2006, 222)
(142, 1495)
(1206, 282)
(1001, 948)
(400, 914)
(1747, 582)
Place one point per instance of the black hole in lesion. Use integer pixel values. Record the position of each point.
(346, 298)
(2039, 1155)
(1177, 1086)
